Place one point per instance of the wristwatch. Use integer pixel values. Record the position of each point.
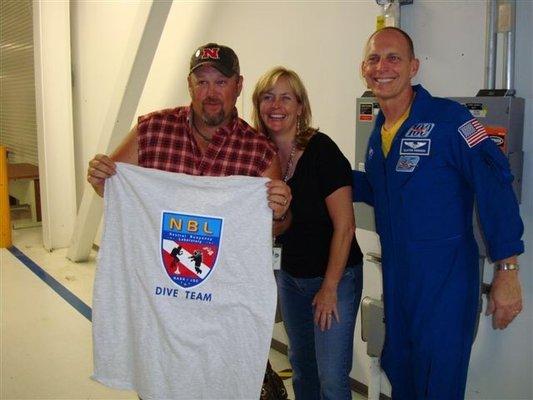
(507, 267)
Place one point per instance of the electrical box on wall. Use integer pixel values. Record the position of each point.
(502, 117)
(367, 110)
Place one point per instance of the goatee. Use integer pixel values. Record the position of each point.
(213, 120)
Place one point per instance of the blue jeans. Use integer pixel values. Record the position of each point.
(321, 361)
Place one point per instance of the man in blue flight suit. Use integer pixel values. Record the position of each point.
(427, 161)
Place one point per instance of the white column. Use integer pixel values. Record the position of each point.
(53, 101)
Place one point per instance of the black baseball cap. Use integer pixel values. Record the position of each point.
(220, 57)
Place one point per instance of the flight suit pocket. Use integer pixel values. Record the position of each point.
(435, 216)
(432, 202)
(498, 164)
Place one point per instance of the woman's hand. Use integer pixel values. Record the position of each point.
(279, 197)
(325, 303)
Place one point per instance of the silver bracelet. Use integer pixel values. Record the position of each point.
(507, 267)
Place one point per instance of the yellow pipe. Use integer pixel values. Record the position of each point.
(5, 217)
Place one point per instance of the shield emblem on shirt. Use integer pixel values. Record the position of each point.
(189, 247)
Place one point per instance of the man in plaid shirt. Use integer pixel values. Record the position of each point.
(205, 138)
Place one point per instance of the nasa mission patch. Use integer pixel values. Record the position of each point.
(407, 163)
(420, 130)
(190, 245)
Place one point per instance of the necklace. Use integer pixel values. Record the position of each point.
(205, 137)
(289, 163)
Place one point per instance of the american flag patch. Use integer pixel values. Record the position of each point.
(472, 132)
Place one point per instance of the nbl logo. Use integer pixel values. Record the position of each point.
(189, 247)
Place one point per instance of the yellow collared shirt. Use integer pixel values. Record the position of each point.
(387, 135)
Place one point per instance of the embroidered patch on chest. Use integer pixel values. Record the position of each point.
(419, 147)
(407, 163)
(420, 130)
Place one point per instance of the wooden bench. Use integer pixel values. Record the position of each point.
(27, 171)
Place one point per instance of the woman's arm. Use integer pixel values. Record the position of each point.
(340, 209)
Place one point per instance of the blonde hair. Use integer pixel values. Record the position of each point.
(265, 83)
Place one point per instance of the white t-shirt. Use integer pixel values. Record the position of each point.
(184, 295)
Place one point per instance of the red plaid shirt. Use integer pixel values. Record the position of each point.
(166, 142)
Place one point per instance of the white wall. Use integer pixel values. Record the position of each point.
(323, 42)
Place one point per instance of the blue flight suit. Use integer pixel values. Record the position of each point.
(423, 195)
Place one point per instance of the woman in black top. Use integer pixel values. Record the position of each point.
(320, 280)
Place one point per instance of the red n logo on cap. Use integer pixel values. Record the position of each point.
(210, 52)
